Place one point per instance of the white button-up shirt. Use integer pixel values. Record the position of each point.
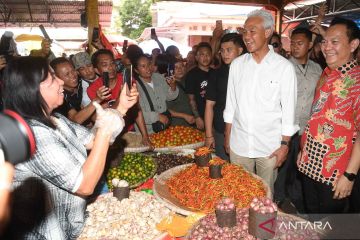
(260, 104)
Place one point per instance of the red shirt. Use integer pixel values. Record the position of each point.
(331, 131)
(115, 92)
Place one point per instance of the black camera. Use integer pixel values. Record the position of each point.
(159, 126)
(16, 138)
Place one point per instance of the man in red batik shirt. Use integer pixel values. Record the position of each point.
(330, 155)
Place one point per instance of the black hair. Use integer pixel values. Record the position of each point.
(351, 27)
(236, 39)
(95, 56)
(162, 62)
(302, 30)
(275, 34)
(5, 45)
(133, 52)
(21, 89)
(172, 50)
(203, 45)
(135, 61)
(59, 60)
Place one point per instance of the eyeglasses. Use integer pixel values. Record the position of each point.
(275, 44)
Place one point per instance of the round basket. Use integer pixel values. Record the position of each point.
(162, 193)
(129, 138)
(173, 148)
(136, 149)
(152, 174)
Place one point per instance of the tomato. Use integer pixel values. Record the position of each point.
(176, 136)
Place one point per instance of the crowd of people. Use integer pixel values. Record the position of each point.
(290, 117)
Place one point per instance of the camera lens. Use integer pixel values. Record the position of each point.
(16, 138)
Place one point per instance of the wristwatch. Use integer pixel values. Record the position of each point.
(350, 176)
(286, 143)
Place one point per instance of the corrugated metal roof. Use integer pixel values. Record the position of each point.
(55, 13)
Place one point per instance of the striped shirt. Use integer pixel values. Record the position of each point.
(45, 206)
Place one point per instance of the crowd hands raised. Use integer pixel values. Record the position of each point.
(83, 103)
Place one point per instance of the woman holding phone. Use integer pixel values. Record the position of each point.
(49, 198)
(154, 91)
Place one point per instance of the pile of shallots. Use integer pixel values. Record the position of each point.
(225, 204)
(133, 218)
(263, 205)
(207, 228)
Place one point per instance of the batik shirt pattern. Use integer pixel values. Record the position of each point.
(330, 133)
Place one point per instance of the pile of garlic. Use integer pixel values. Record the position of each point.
(134, 218)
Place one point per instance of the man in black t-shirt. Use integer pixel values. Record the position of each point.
(196, 82)
(231, 46)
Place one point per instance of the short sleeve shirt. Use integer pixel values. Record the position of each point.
(216, 91)
(330, 133)
(72, 100)
(196, 81)
(115, 92)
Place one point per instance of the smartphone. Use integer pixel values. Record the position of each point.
(106, 79)
(125, 45)
(153, 33)
(95, 34)
(42, 28)
(170, 70)
(219, 23)
(127, 75)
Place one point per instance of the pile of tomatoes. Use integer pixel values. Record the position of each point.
(176, 136)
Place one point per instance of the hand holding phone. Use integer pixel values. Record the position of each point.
(95, 34)
(125, 45)
(127, 75)
(170, 70)
(219, 24)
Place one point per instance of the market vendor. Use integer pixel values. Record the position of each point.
(50, 189)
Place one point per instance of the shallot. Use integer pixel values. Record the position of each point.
(263, 205)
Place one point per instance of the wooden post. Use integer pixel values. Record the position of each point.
(92, 16)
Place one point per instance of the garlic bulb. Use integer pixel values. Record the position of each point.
(132, 218)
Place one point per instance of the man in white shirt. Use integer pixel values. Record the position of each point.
(260, 103)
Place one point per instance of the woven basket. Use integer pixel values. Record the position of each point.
(163, 195)
(136, 149)
(188, 146)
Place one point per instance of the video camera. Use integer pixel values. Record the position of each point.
(16, 138)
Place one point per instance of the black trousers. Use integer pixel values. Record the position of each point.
(288, 182)
(318, 198)
(355, 196)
